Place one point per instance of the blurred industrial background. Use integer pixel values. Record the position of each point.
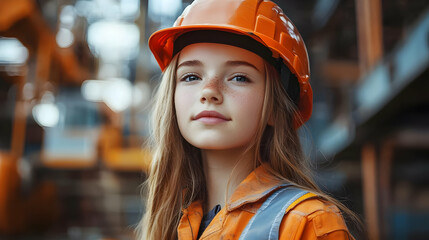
(76, 79)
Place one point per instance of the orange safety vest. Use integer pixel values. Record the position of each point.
(309, 217)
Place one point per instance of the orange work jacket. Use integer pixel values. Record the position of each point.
(309, 219)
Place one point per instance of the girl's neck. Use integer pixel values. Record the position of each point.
(224, 170)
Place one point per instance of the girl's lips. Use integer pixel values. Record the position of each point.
(210, 117)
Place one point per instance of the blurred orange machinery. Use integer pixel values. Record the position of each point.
(22, 19)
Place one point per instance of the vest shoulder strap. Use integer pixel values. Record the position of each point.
(265, 224)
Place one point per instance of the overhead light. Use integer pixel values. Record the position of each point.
(46, 114)
(164, 7)
(65, 38)
(130, 8)
(12, 51)
(113, 40)
(85, 8)
(67, 16)
(117, 93)
(92, 90)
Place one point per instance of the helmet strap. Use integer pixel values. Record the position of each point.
(290, 83)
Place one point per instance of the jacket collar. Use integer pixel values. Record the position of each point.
(257, 185)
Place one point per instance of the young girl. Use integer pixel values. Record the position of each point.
(227, 161)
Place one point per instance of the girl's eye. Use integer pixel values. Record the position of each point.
(240, 78)
(190, 78)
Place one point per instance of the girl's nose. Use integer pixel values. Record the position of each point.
(211, 92)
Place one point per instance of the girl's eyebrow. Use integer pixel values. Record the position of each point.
(239, 63)
(190, 63)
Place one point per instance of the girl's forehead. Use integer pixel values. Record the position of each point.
(216, 52)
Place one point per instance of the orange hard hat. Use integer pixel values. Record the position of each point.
(262, 21)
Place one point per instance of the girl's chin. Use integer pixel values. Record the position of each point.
(222, 146)
(216, 140)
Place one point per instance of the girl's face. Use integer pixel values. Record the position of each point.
(219, 95)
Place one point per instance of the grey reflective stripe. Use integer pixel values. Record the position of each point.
(266, 222)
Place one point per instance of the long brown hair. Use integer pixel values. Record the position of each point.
(177, 165)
